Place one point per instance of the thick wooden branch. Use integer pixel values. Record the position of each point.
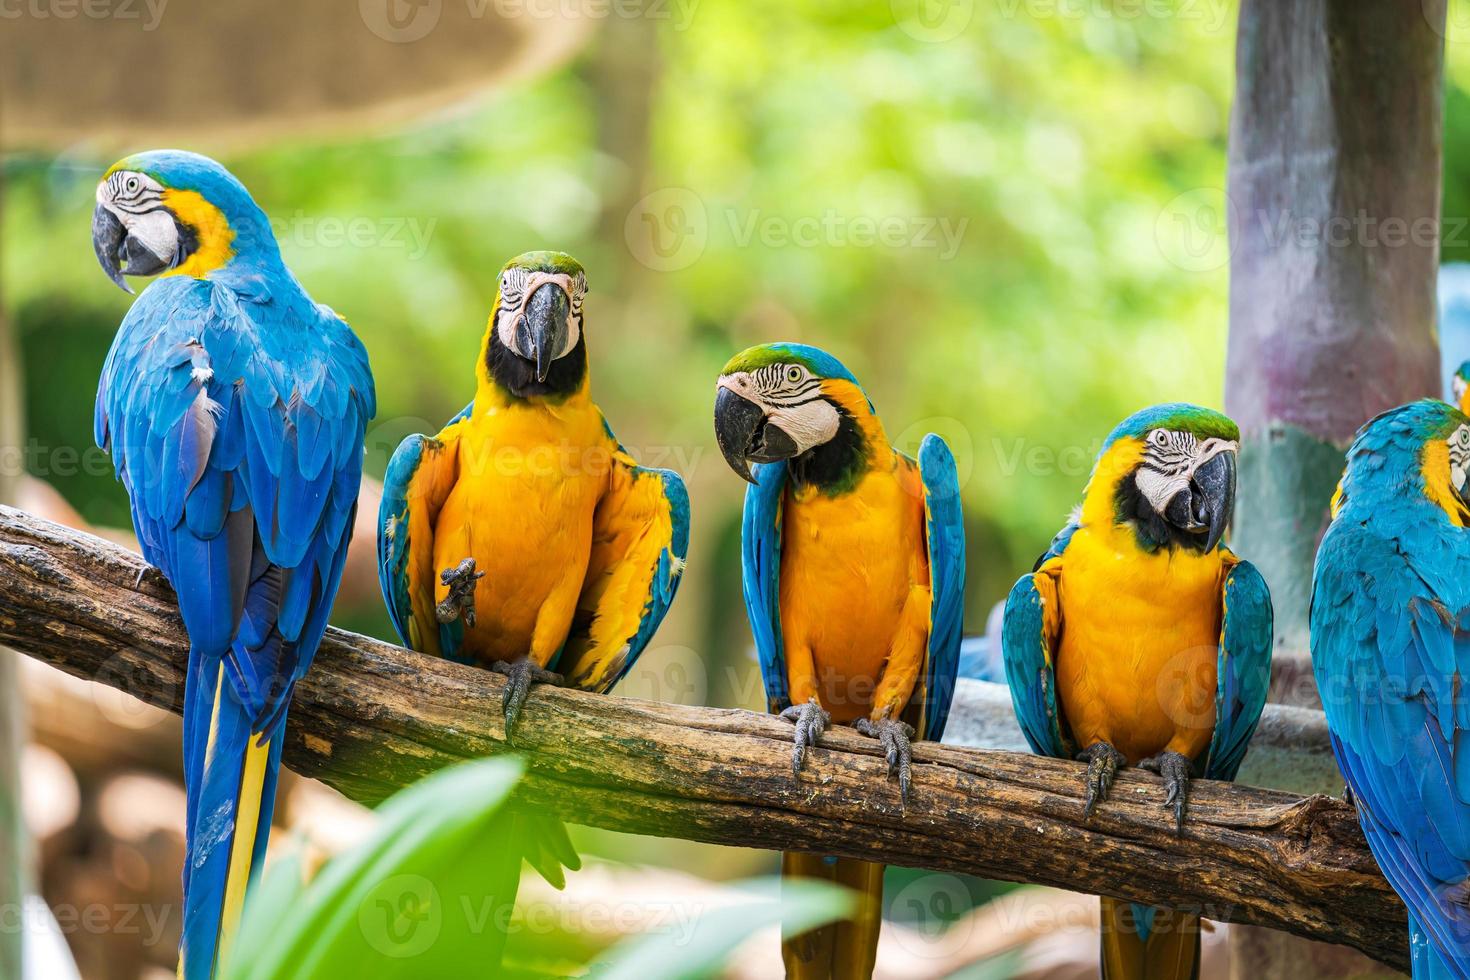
(371, 717)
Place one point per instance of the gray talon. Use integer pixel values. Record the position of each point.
(460, 602)
(1175, 770)
(520, 675)
(1103, 762)
(810, 721)
(896, 738)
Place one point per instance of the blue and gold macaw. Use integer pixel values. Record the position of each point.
(1391, 652)
(854, 561)
(523, 537)
(234, 408)
(1460, 387)
(1140, 639)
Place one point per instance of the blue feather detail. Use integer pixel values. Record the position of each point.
(760, 540)
(1243, 674)
(945, 525)
(234, 409)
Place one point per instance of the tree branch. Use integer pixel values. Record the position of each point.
(371, 717)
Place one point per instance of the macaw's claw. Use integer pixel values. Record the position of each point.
(1103, 762)
(896, 738)
(520, 675)
(810, 721)
(1175, 770)
(460, 601)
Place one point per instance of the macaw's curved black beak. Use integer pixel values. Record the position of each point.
(120, 253)
(543, 329)
(746, 436)
(1206, 505)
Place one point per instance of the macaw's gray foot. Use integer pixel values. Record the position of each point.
(810, 721)
(897, 744)
(520, 675)
(1175, 770)
(460, 602)
(1103, 762)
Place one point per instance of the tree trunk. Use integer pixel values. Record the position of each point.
(1334, 194)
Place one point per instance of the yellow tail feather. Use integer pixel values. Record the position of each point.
(845, 950)
(1171, 951)
(242, 849)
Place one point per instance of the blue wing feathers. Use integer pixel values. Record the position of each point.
(761, 579)
(1243, 672)
(1029, 672)
(945, 526)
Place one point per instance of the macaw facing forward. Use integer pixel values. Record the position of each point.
(1391, 652)
(1140, 639)
(234, 408)
(854, 559)
(523, 537)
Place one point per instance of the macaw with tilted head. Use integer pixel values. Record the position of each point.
(1391, 653)
(522, 537)
(854, 558)
(234, 408)
(1141, 639)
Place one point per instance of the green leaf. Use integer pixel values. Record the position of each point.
(701, 952)
(426, 895)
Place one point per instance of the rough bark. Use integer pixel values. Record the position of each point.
(371, 717)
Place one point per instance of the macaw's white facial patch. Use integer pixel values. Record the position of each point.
(517, 286)
(1169, 462)
(136, 200)
(1459, 443)
(791, 397)
(1457, 388)
(810, 424)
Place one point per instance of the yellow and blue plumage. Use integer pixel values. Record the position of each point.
(1390, 651)
(234, 408)
(1140, 639)
(522, 537)
(854, 571)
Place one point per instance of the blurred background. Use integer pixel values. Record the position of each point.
(1003, 215)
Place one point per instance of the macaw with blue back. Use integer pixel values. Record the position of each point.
(523, 537)
(234, 408)
(854, 575)
(1141, 639)
(1391, 650)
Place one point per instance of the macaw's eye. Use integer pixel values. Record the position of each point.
(1159, 437)
(793, 374)
(132, 185)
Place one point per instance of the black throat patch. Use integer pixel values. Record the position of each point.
(836, 465)
(518, 376)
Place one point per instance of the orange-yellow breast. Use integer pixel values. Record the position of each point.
(530, 478)
(848, 564)
(1137, 659)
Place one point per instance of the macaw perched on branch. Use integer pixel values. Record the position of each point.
(234, 408)
(523, 537)
(1391, 652)
(1140, 639)
(854, 560)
